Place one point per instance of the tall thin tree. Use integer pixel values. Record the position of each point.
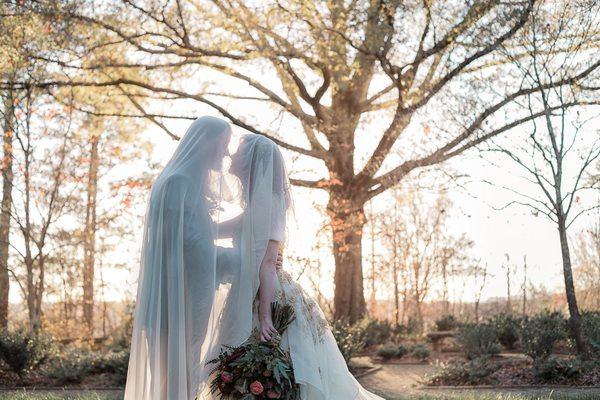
(557, 153)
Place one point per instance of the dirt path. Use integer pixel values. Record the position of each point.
(397, 379)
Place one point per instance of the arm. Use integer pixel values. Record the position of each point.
(266, 292)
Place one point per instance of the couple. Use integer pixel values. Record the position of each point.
(194, 297)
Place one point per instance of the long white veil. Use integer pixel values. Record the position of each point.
(175, 307)
(265, 200)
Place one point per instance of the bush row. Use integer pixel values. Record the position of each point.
(22, 352)
(419, 351)
(536, 335)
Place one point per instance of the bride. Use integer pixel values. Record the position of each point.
(258, 233)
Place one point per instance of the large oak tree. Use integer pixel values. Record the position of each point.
(333, 70)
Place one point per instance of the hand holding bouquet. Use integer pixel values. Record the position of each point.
(257, 369)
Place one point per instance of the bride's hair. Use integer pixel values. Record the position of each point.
(261, 153)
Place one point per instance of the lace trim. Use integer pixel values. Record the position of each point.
(316, 324)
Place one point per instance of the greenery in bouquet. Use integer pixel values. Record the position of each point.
(257, 369)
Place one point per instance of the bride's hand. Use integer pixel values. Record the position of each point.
(267, 330)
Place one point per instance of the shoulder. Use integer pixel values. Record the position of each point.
(176, 180)
(175, 183)
(170, 188)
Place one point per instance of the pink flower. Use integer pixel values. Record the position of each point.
(273, 394)
(226, 376)
(256, 388)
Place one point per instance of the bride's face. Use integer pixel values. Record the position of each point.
(237, 159)
(222, 151)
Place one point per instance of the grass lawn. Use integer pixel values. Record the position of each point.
(563, 394)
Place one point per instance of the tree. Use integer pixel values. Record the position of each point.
(558, 152)
(89, 242)
(75, 124)
(328, 68)
(44, 193)
(392, 230)
(18, 33)
(480, 273)
(414, 233)
(105, 144)
(8, 118)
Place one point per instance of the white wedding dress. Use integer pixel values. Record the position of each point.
(319, 367)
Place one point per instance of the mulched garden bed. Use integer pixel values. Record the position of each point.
(509, 372)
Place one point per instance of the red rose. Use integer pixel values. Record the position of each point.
(256, 388)
(273, 394)
(226, 376)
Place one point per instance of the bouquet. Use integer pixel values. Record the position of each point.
(257, 369)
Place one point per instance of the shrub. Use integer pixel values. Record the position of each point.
(74, 365)
(446, 323)
(388, 351)
(590, 324)
(23, 351)
(420, 352)
(507, 327)
(554, 368)
(114, 363)
(378, 332)
(70, 367)
(401, 351)
(350, 338)
(478, 340)
(473, 372)
(540, 332)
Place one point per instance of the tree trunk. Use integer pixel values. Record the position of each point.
(508, 302)
(33, 310)
(89, 243)
(574, 315)
(395, 262)
(524, 308)
(6, 205)
(373, 300)
(419, 312)
(396, 291)
(445, 292)
(347, 221)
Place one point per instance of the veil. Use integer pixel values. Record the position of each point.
(177, 280)
(265, 201)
